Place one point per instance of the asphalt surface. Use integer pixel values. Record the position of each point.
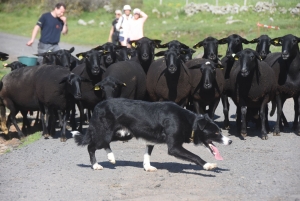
(16, 46)
(252, 169)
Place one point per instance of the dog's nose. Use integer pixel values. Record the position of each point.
(230, 141)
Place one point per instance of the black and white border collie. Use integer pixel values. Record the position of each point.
(155, 122)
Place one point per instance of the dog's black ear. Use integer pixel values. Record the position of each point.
(201, 121)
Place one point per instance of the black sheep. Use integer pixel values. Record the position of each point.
(168, 78)
(286, 67)
(91, 69)
(252, 85)
(128, 73)
(207, 86)
(25, 100)
(234, 45)
(145, 51)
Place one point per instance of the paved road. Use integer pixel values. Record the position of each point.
(252, 169)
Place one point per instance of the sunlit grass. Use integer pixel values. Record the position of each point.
(30, 139)
(188, 30)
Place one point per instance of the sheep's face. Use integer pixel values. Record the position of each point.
(289, 46)
(235, 44)
(263, 45)
(172, 60)
(145, 48)
(247, 60)
(208, 75)
(187, 54)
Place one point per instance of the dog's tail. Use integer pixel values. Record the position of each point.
(81, 139)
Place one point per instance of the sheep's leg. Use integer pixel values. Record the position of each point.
(267, 119)
(278, 120)
(225, 104)
(3, 117)
(297, 112)
(36, 122)
(26, 123)
(72, 116)
(12, 117)
(52, 120)
(81, 112)
(63, 137)
(212, 108)
(238, 119)
(43, 110)
(262, 114)
(244, 123)
(196, 106)
(146, 163)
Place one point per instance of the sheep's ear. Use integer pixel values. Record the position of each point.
(223, 41)
(123, 84)
(184, 46)
(133, 44)
(105, 52)
(97, 88)
(156, 43)
(163, 45)
(255, 40)
(159, 54)
(245, 41)
(257, 55)
(276, 41)
(63, 80)
(197, 45)
(72, 49)
(235, 56)
(81, 55)
(98, 48)
(192, 51)
(220, 66)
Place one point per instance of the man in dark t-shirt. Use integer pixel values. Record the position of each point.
(51, 24)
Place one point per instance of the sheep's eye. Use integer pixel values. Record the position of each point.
(294, 41)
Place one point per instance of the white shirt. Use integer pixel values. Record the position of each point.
(123, 26)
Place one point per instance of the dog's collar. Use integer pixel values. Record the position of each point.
(192, 136)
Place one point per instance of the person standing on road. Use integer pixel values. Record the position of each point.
(123, 25)
(51, 24)
(114, 33)
(136, 25)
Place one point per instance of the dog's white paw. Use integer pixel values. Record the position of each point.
(96, 166)
(210, 166)
(150, 168)
(111, 158)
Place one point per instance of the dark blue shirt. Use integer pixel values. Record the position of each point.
(51, 28)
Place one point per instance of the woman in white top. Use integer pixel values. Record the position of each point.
(123, 25)
(136, 25)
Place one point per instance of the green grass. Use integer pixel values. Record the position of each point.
(30, 139)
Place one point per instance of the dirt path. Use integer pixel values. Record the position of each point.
(252, 169)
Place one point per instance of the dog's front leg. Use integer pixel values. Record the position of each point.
(182, 153)
(95, 165)
(147, 155)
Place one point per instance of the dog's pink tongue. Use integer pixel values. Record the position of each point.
(217, 153)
